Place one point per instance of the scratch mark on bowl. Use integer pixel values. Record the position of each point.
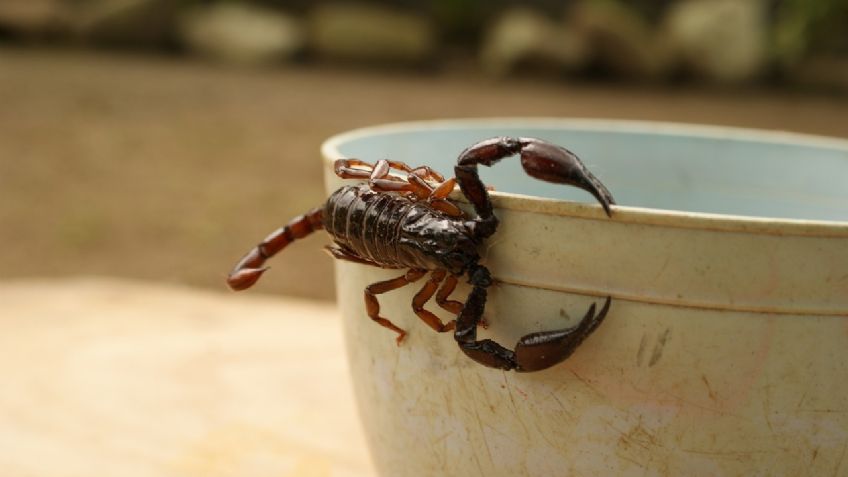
(658, 349)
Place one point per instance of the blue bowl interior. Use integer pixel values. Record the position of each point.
(740, 174)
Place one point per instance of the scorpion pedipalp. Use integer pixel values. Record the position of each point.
(534, 351)
(537, 351)
(542, 160)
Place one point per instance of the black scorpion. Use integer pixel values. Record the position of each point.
(408, 222)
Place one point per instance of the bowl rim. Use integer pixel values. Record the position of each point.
(330, 151)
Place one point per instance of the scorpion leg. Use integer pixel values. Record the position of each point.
(535, 351)
(540, 159)
(415, 184)
(425, 172)
(248, 270)
(381, 181)
(453, 306)
(423, 296)
(372, 305)
(443, 190)
(436, 196)
(447, 288)
(346, 169)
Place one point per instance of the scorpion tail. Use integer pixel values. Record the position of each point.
(248, 270)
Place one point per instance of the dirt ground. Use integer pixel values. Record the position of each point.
(169, 170)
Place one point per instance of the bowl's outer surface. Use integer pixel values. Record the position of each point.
(725, 351)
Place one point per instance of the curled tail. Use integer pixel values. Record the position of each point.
(248, 270)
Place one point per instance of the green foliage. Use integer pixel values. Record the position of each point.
(460, 20)
(803, 26)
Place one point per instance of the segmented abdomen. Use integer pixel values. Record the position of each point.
(368, 223)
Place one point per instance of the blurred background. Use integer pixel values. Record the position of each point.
(150, 143)
(160, 139)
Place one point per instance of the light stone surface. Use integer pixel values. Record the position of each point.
(106, 377)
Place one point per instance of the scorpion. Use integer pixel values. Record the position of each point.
(406, 221)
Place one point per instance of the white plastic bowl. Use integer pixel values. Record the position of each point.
(725, 351)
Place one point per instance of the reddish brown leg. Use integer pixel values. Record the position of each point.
(415, 184)
(248, 270)
(377, 175)
(424, 171)
(423, 296)
(372, 306)
(447, 207)
(453, 306)
(381, 181)
(423, 190)
(347, 169)
(443, 190)
(448, 286)
(438, 198)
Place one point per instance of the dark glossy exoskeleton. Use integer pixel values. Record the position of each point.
(407, 222)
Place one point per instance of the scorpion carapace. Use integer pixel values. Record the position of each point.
(407, 222)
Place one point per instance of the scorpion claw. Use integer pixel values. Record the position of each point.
(534, 351)
(537, 351)
(245, 278)
(540, 159)
(552, 163)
